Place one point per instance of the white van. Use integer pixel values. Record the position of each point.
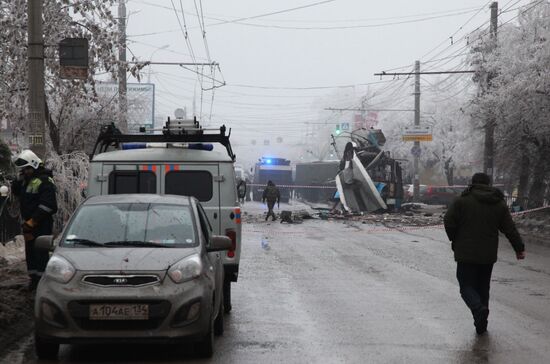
(174, 163)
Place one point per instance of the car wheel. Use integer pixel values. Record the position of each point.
(44, 349)
(218, 323)
(205, 347)
(227, 296)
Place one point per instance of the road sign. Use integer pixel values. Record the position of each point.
(416, 151)
(417, 133)
(73, 58)
(345, 126)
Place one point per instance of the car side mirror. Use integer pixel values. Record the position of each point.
(44, 243)
(219, 243)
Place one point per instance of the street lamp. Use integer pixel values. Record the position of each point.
(151, 58)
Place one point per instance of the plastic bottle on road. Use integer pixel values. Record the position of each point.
(265, 243)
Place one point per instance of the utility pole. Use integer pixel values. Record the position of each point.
(416, 179)
(416, 149)
(122, 97)
(489, 149)
(37, 98)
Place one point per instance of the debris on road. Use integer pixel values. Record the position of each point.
(414, 214)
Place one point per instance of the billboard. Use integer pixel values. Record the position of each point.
(370, 120)
(141, 102)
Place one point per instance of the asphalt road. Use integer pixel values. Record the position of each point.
(330, 292)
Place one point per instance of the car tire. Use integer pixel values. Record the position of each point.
(205, 347)
(227, 296)
(44, 349)
(219, 322)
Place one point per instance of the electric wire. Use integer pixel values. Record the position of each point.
(203, 29)
(343, 27)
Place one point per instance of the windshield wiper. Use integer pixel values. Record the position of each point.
(136, 243)
(86, 242)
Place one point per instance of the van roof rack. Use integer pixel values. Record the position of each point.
(177, 131)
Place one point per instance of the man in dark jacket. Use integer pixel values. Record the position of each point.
(472, 224)
(272, 195)
(38, 202)
(241, 190)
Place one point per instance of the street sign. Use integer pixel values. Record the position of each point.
(417, 133)
(345, 126)
(416, 151)
(73, 58)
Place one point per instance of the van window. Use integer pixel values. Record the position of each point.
(132, 182)
(190, 183)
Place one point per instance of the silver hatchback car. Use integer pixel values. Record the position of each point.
(132, 268)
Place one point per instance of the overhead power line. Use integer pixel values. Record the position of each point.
(359, 20)
(307, 87)
(421, 73)
(272, 13)
(342, 27)
(221, 21)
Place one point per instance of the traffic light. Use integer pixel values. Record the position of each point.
(338, 130)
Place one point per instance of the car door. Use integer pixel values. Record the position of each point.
(214, 258)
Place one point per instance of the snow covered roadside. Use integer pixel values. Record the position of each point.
(16, 301)
(534, 226)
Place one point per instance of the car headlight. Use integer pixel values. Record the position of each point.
(186, 269)
(60, 269)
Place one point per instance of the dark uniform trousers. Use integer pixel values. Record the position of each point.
(474, 281)
(270, 207)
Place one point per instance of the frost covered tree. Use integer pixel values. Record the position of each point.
(73, 110)
(71, 105)
(519, 98)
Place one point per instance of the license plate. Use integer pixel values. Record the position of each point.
(119, 312)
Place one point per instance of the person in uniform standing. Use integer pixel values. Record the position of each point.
(38, 203)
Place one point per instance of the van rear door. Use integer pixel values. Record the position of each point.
(200, 181)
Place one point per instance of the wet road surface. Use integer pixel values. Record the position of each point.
(334, 292)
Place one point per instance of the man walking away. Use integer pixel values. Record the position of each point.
(272, 195)
(472, 224)
(241, 190)
(37, 199)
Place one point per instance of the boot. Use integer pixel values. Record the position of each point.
(480, 320)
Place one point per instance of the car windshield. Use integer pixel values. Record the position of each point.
(132, 224)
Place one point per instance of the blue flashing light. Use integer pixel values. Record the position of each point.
(201, 146)
(268, 161)
(128, 146)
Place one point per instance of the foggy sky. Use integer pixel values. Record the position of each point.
(279, 58)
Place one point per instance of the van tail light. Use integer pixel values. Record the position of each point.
(231, 234)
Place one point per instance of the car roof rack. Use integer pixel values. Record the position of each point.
(176, 131)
